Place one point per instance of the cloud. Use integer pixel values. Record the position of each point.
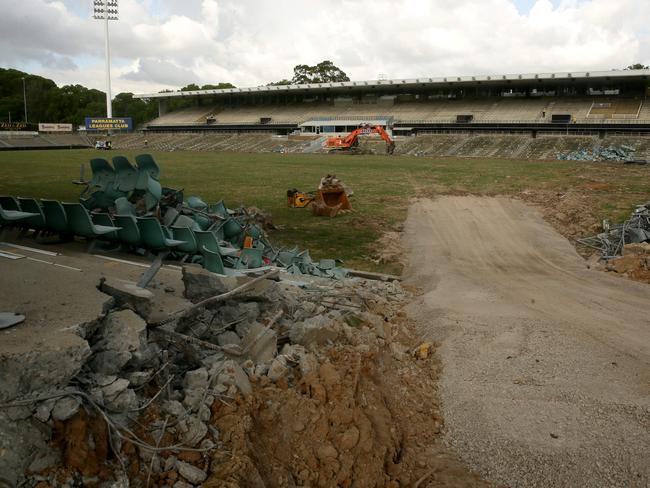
(159, 44)
(156, 71)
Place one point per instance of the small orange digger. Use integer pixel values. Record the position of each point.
(329, 200)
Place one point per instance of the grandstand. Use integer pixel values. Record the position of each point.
(581, 103)
(11, 141)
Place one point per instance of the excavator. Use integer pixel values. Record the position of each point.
(351, 141)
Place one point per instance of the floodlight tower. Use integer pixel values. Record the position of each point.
(106, 10)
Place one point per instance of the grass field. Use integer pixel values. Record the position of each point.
(383, 187)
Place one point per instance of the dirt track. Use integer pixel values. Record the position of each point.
(546, 364)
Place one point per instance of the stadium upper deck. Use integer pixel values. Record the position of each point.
(603, 97)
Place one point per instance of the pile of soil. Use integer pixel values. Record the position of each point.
(633, 264)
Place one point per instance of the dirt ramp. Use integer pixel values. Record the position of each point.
(546, 363)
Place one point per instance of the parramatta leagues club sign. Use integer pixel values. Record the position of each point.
(96, 123)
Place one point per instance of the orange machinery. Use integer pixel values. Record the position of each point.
(351, 141)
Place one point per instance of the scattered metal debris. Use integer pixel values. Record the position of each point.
(611, 153)
(611, 242)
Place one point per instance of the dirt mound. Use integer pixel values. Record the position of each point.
(634, 264)
(364, 417)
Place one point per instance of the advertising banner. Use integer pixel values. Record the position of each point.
(104, 123)
(13, 126)
(55, 127)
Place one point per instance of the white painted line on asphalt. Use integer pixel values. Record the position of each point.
(10, 255)
(53, 264)
(123, 261)
(171, 267)
(32, 249)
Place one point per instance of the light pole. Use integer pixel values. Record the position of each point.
(25, 99)
(106, 10)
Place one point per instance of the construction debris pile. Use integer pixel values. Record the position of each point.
(611, 242)
(126, 207)
(611, 153)
(247, 366)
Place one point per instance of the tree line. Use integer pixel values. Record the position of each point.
(47, 102)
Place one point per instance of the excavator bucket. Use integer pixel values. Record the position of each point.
(330, 201)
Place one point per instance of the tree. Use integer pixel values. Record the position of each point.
(124, 105)
(323, 72)
(637, 66)
(180, 103)
(220, 86)
(279, 83)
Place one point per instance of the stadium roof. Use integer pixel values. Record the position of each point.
(598, 77)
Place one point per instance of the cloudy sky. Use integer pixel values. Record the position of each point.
(159, 44)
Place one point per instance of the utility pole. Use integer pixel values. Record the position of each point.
(25, 99)
(109, 107)
(106, 10)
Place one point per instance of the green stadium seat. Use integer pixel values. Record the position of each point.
(212, 261)
(126, 175)
(32, 206)
(186, 236)
(129, 232)
(103, 219)
(254, 231)
(147, 165)
(208, 240)
(153, 237)
(100, 199)
(10, 203)
(55, 217)
(232, 229)
(250, 258)
(170, 216)
(219, 208)
(186, 221)
(124, 207)
(10, 217)
(197, 203)
(103, 175)
(81, 223)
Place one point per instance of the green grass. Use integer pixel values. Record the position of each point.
(383, 187)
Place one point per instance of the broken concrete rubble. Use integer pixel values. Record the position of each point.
(270, 333)
(317, 330)
(24, 370)
(191, 473)
(128, 294)
(122, 333)
(201, 283)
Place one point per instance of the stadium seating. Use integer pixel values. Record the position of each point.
(41, 141)
(497, 109)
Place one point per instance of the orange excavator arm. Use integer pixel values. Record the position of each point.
(390, 144)
(352, 138)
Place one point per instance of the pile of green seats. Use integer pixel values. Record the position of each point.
(127, 208)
